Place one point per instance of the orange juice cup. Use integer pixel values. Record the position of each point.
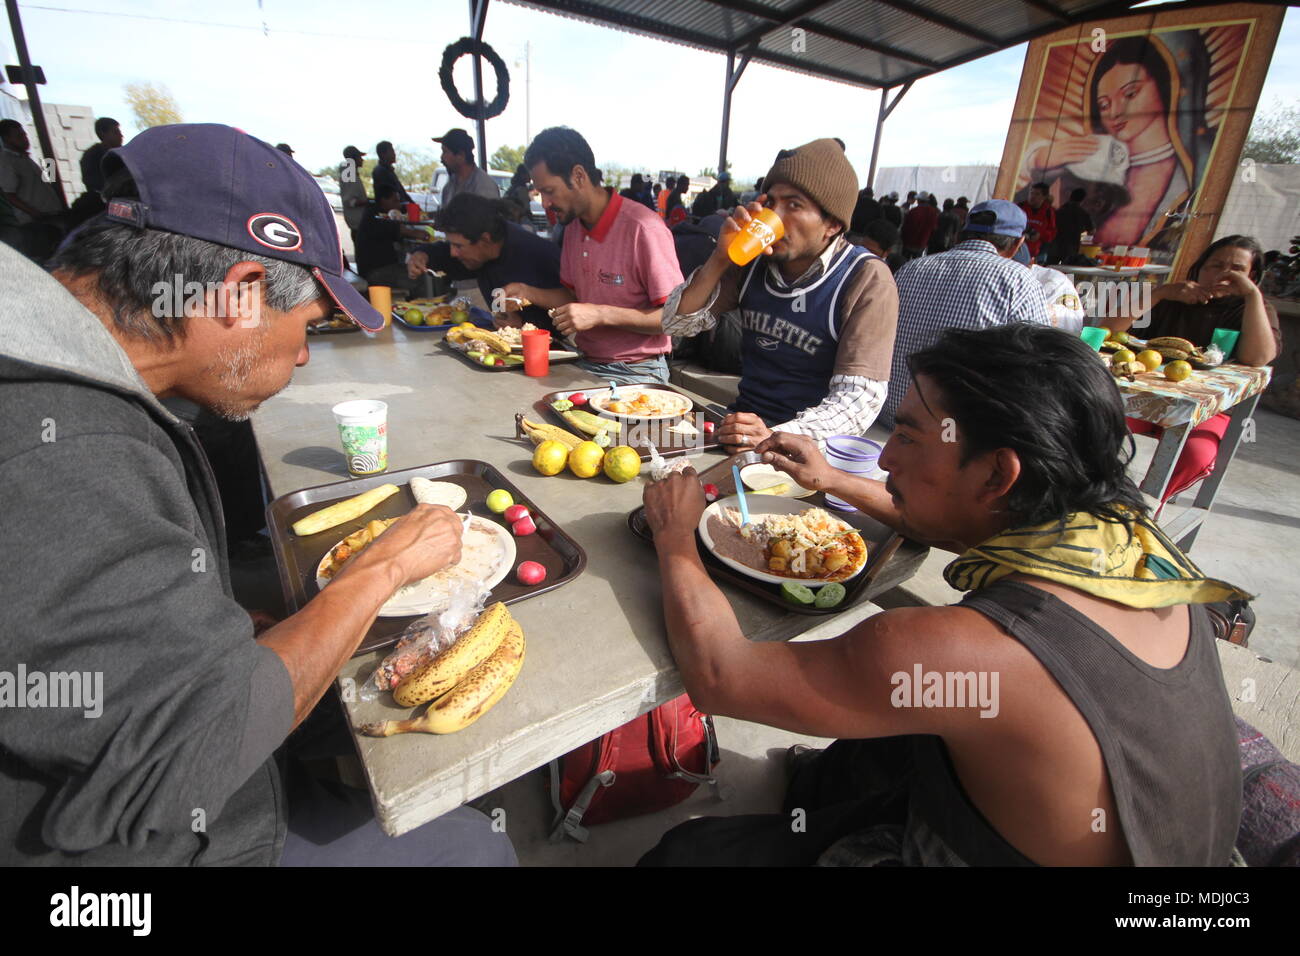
(761, 231)
(381, 298)
(537, 352)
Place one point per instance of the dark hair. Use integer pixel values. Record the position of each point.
(1042, 393)
(473, 216)
(637, 180)
(947, 204)
(7, 126)
(986, 217)
(561, 149)
(1136, 50)
(962, 200)
(841, 142)
(520, 178)
(1042, 188)
(1078, 195)
(383, 192)
(884, 232)
(382, 145)
(104, 124)
(1236, 242)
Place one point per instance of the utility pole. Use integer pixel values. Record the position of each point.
(34, 97)
(528, 91)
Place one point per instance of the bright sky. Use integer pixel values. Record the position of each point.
(327, 73)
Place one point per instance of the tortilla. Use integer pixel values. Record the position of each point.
(428, 492)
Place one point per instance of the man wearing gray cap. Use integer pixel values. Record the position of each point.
(464, 176)
(974, 285)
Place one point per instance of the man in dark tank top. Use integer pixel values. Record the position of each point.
(1070, 711)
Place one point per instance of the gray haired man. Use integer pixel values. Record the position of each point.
(198, 281)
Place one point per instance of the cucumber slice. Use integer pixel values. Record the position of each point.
(797, 593)
(562, 405)
(830, 595)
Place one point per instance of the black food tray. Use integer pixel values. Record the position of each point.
(671, 445)
(882, 543)
(297, 558)
(573, 357)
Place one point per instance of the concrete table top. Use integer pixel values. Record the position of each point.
(597, 652)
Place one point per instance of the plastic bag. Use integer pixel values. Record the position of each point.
(427, 637)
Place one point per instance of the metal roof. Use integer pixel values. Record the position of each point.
(871, 43)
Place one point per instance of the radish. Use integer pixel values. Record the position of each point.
(530, 573)
(523, 526)
(579, 399)
(515, 512)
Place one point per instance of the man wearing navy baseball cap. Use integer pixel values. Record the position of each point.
(198, 282)
(974, 285)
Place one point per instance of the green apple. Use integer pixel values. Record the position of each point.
(499, 500)
(413, 317)
(459, 316)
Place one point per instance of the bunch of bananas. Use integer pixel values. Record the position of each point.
(1174, 349)
(538, 433)
(460, 335)
(464, 682)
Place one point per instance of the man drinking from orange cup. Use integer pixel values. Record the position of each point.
(817, 312)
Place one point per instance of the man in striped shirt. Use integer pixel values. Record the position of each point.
(974, 285)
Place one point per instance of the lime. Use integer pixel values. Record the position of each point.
(830, 595)
(1177, 371)
(499, 500)
(1123, 355)
(797, 593)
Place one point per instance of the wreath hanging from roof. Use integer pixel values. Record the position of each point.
(478, 109)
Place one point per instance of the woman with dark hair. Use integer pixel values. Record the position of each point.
(1221, 292)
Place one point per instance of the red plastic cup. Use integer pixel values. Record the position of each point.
(537, 352)
(412, 212)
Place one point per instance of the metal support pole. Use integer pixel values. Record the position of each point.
(880, 125)
(477, 17)
(33, 95)
(733, 77)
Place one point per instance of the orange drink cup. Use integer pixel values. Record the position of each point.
(761, 231)
(381, 298)
(537, 352)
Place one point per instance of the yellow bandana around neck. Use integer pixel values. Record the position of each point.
(1142, 570)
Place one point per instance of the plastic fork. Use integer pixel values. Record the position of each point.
(740, 497)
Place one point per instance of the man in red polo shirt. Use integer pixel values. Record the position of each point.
(618, 265)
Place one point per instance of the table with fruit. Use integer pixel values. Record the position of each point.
(1176, 385)
(597, 651)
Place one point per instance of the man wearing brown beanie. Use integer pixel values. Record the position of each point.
(817, 313)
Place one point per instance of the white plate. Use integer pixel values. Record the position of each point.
(429, 594)
(760, 476)
(762, 505)
(597, 398)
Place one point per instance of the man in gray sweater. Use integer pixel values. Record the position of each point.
(139, 713)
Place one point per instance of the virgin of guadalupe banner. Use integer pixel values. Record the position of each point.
(1147, 114)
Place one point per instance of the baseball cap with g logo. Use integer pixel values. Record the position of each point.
(217, 183)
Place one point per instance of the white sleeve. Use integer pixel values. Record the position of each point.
(688, 323)
(849, 408)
